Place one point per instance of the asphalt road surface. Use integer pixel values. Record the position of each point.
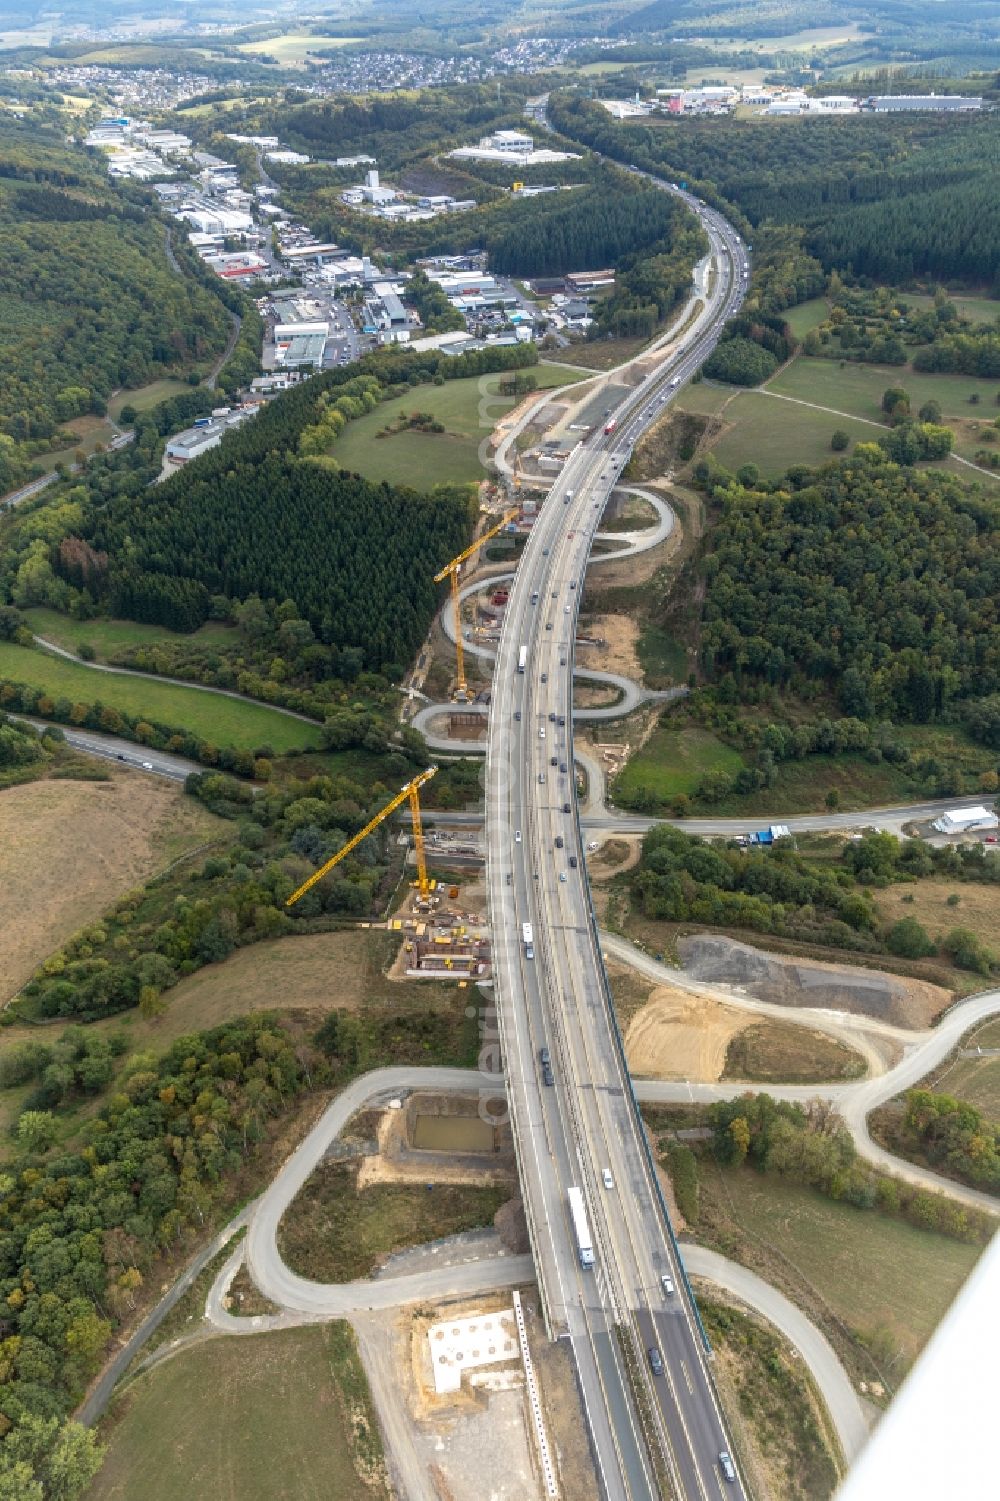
(584, 1130)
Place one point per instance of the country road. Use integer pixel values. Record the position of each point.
(303, 1301)
(157, 677)
(833, 1382)
(854, 1099)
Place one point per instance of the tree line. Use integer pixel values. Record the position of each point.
(812, 1146)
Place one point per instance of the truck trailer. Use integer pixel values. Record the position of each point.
(581, 1230)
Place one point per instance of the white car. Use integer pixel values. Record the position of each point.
(517, 836)
(607, 1179)
(541, 733)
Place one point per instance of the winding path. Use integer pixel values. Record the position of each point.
(854, 1099)
(158, 677)
(303, 1301)
(630, 693)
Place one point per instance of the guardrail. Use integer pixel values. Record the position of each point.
(619, 1041)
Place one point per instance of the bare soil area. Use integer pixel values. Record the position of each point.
(788, 981)
(618, 654)
(640, 567)
(69, 849)
(677, 1035)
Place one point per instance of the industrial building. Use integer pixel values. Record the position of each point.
(299, 346)
(945, 103)
(205, 434)
(511, 146)
(966, 821)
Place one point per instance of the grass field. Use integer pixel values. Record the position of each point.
(664, 659)
(467, 408)
(773, 1052)
(313, 972)
(977, 907)
(704, 398)
(677, 755)
(281, 1417)
(332, 1233)
(674, 761)
(879, 1276)
(109, 837)
(807, 315)
(145, 397)
(290, 50)
(977, 309)
(110, 636)
(601, 354)
(857, 389)
(975, 1079)
(775, 434)
(221, 720)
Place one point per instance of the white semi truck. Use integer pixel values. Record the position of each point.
(581, 1230)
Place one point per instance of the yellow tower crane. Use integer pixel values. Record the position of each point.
(451, 571)
(411, 791)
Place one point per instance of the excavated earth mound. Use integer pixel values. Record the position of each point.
(787, 981)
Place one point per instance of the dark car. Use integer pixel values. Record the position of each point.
(562, 765)
(544, 1057)
(572, 861)
(517, 714)
(554, 760)
(655, 1360)
(552, 719)
(559, 841)
(547, 1075)
(566, 808)
(562, 719)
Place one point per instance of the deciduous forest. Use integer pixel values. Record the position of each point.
(89, 303)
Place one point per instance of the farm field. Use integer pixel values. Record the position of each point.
(110, 636)
(123, 830)
(775, 434)
(291, 49)
(427, 459)
(857, 389)
(221, 720)
(881, 1277)
(285, 1416)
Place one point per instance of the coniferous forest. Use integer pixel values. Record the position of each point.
(882, 197)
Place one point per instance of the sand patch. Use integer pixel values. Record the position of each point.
(681, 1036)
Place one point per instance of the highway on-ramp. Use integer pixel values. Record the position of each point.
(649, 1430)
